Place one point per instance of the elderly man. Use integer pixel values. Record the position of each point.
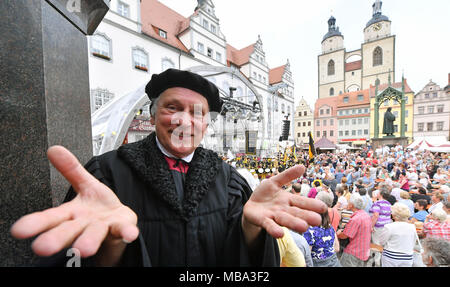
(164, 201)
(436, 252)
(358, 230)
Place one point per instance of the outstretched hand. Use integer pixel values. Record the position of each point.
(270, 207)
(94, 218)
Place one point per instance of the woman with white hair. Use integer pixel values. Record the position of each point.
(398, 239)
(436, 225)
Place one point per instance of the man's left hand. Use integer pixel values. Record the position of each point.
(270, 207)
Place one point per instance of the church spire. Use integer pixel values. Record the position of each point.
(332, 29)
(331, 24)
(377, 7)
(377, 15)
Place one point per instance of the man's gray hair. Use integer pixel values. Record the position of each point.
(325, 197)
(357, 201)
(384, 190)
(438, 249)
(384, 186)
(153, 106)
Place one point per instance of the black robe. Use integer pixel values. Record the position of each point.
(202, 230)
(388, 123)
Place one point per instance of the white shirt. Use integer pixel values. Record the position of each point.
(412, 176)
(343, 201)
(399, 237)
(304, 189)
(424, 182)
(166, 153)
(435, 205)
(396, 193)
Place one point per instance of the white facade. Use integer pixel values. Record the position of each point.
(123, 58)
(431, 112)
(303, 123)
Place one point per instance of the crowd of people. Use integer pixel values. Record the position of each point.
(157, 202)
(387, 207)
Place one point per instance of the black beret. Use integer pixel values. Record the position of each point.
(172, 78)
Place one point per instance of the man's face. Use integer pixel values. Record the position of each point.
(180, 120)
(416, 206)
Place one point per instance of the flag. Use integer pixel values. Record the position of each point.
(295, 152)
(312, 149)
(285, 155)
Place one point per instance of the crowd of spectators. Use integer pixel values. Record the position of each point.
(387, 207)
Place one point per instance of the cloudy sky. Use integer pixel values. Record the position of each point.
(293, 29)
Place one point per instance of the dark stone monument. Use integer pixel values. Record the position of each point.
(390, 93)
(44, 101)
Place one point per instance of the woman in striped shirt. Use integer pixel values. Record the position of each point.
(380, 213)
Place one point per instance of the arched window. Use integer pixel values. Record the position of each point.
(101, 46)
(331, 92)
(167, 63)
(377, 57)
(140, 59)
(330, 68)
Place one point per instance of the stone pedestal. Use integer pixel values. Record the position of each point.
(389, 141)
(44, 101)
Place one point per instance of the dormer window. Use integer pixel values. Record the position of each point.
(163, 34)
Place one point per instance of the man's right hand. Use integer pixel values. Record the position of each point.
(94, 218)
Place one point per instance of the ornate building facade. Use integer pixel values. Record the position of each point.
(325, 119)
(432, 112)
(303, 123)
(138, 38)
(342, 71)
(353, 116)
(345, 78)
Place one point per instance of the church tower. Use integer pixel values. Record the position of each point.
(378, 49)
(332, 62)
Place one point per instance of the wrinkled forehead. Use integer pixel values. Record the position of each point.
(183, 96)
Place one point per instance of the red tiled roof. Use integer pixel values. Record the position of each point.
(353, 66)
(155, 16)
(239, 57)
(353, 99)
(276, 75)
(397, 86)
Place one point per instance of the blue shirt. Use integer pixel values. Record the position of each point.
(339, 176)
(321, 240)
(420, 215)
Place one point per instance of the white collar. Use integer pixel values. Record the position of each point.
(166, 153)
